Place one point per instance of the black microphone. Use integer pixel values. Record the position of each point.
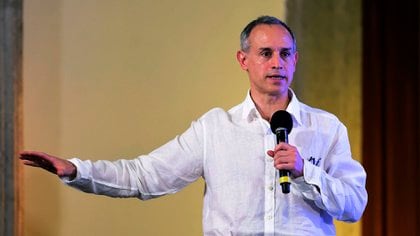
(281, 124)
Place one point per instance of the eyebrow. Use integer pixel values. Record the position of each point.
(268, 48)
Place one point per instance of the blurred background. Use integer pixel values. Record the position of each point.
(116, 79)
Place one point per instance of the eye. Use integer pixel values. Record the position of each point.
(285, 54)
(266, 53)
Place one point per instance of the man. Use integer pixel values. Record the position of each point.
(237, 155)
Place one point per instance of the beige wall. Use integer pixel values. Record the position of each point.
(115, 79)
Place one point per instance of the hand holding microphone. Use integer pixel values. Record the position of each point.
(287, 158)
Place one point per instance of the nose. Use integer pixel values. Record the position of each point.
(276, 61)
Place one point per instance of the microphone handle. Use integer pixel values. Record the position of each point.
(284, 175)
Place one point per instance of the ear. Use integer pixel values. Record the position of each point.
(296, 58)
(241, 56)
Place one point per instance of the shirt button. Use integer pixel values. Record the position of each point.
(269, 217)
(270, 188)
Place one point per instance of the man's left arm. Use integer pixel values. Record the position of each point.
(339, 186)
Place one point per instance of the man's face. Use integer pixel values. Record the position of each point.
(270, 60)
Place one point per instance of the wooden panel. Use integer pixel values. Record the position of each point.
(10, 115)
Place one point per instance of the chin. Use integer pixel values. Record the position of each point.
(274, 93)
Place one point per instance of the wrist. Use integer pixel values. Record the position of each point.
(71, 172)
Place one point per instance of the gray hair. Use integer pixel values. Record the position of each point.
(267, 20)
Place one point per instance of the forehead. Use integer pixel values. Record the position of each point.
(270, 36)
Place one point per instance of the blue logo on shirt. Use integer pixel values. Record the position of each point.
(314, 161)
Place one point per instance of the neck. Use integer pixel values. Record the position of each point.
(267, 105)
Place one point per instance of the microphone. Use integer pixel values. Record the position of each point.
(281, 124)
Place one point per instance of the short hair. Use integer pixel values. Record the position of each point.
(263, 20)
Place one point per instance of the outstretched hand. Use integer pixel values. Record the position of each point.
(55, 165)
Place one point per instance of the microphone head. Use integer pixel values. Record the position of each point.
(281, 119)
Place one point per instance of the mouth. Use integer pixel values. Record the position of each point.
(276, 77)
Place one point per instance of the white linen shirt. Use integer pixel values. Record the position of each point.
(242, 194)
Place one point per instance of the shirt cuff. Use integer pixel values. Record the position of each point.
(309, 183)
(67, 180)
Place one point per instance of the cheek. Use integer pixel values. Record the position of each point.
(291, 68)
(256, 68)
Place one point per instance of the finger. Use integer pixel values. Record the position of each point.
(281, 146)
(284, 166)
(38, 161)
(280, 161)
(270, 153)
(30, 153)
(281, 167)
(30, 163)
(281, 154)
(41, 164)
(29, 157)
(35, 156)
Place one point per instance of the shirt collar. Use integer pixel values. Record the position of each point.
(294, 107)
(250, 112)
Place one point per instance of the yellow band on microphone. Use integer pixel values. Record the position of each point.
(284, 179)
